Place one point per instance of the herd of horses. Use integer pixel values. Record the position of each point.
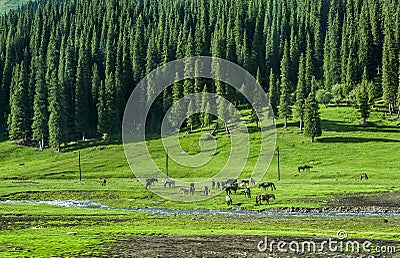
(231, 185)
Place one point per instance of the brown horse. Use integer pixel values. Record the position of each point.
(364, 175)
(264, 197)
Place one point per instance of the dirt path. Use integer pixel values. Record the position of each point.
(242, 246)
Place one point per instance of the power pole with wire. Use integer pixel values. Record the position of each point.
(79, 164)
(166, 161)
(279, 166)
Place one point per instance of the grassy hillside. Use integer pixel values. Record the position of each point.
(6, 5)
(345, 150)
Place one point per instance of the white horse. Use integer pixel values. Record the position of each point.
(184, 190)
(228, 200)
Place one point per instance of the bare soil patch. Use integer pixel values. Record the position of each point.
(232, 246)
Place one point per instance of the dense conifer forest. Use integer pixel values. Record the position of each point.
(67, 68)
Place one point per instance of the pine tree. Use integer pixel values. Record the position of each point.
(40, 104)
(57, 123)
(83, 95)
(332, 54)
(139, 51)
(256, 102)
(366, 48)
(273, 93)
(285, 108)
(362, 98)
(191, 119)
(6, 78)
(17, 122)
(389, 69)
(301, 93)
(312, 120)
(177, 111)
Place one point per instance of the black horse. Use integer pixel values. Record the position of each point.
(264, 197)
(229, 189)
(305, 167)
(265, 185)
(150, 181)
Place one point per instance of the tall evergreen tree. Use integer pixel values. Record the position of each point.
(17, 120)
(40, 104)
(285, 107)
(301, 92)
(273, 93)
(83, 94)
(389, 69)
(312, 120)
(362, 97)
(57, 123)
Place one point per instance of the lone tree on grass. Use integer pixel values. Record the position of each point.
(312, 121)
(364, 97)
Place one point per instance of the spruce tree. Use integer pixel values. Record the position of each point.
(17, 120)
(301, 93)
(83, 98)
(362, 98)
(57, 123)
(40, 104)
(312, 120)
(389, 70)
(285, 108)
(273, 93)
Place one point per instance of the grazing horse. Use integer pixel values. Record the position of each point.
(247, 192)
(228, 200)
(229, 189)
(231, 181)
(104, 183)
(245, 181)
(150, 181)
(206, 190)
(184, 190)
(191, 189)
(169, 182)
(264, 197)
(302, 168)
(252, 181)
(364, 175)
(265, 185)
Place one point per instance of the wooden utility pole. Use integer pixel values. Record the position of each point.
(79, 164)
(166, 161)
(279, 166)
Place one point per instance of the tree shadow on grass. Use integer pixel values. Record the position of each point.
(338, 126)
(355, 140)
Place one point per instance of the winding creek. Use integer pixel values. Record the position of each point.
(88, 204)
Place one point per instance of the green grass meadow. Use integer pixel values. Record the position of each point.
(345, 150)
